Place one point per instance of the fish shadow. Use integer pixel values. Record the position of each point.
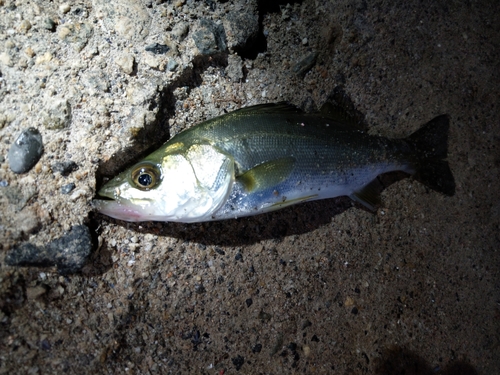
(294, 220)
(399, 360)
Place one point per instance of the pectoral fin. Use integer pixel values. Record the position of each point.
(369, 195)
(267, 175)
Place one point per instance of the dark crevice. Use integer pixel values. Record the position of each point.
(253, 46)
(274, 6)
(157, 132)
(258, 43)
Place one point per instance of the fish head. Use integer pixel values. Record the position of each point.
(187, 186)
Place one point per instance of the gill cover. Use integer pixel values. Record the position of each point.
(200, 184)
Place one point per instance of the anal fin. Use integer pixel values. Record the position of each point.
(369, 195)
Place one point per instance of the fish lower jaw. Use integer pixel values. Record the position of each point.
(118, 210)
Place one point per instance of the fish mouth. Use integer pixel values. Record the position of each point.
(109, 201)
(110, 204)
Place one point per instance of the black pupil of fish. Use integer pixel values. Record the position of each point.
(145, 179)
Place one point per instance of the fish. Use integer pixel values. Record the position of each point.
(266, 157)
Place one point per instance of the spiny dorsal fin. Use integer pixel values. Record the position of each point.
(339, 115)
(342, 103)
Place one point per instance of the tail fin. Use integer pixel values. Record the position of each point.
(431, 145)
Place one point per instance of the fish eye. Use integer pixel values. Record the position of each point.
(145, 176)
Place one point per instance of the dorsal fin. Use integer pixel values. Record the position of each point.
(274, 108)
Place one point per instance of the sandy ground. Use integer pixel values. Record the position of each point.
(324, 287)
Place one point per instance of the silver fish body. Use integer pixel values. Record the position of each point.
(262, 158)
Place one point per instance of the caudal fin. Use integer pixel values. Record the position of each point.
(431, 145)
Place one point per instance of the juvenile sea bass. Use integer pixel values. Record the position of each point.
(265, 157)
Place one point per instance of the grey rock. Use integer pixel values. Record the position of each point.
(64, 167)
(306, 64)
(69, 252)
(25, 151)
(49, 24)
(234, 68)
(68, 188)
(210, 38)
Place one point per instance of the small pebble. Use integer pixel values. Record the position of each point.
(9, 44)
(199, 288)
(234, 68)
(238, 362)
(220, 251)
(45, 58)
(172, 65)
(25, 151)
(257, 348)
(5, 59)
(157, 49)
(24, 26)
(78, 194)
(49, 24)
(36, 291)
(126, 63)
(64, 167)
(68, 188)
(64, 8)
(180, 30)
(29, 52)
(45, 345)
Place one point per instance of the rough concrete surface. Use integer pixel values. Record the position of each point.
(324, 287)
